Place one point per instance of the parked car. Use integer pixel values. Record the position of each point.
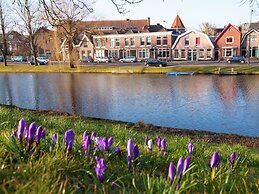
(102, 60)
(86, 59)
(40, 61)
(19, 58)
(1, 59)
(236, 59)
(128, 59)
(155, 62)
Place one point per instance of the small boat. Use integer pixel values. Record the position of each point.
(179, 73)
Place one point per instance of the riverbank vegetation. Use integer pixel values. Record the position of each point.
(103, 156)
(16, 68)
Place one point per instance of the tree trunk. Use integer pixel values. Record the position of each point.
(70, 53)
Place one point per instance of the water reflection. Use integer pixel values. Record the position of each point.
(217, 103)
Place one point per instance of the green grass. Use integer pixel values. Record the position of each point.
(42, 171)
(16, 68)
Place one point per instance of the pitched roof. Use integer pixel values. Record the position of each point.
(246, 34)
(177, 23)
(115, 24)
(225, 29)
(188, 32)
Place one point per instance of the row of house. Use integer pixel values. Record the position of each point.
(139, 38)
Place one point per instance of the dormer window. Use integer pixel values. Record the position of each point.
(229, 40)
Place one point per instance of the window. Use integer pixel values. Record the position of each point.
(148, 40)
(82, 53)
(142, 41)
(112, 42)
(117, 42)
(132, 41)
(176, 53)
(164, 53)
(143, 53)
(198, 41)
(85, 43)
(209, 54)
(253, 37)
(126, 41)
(229, 40)
(113, 54)
(103, 43)
(98, 43)
(201, 53)
(158, 40)
(227, 52)
(186, 41)
(183, 54)
(165, 40)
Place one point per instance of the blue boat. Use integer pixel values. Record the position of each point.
(179, 73)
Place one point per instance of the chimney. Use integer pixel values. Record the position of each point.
(148, 21)
(127, 19)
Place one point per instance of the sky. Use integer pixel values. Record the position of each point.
(192, 12)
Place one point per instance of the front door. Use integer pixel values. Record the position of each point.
(189, 55)
(194, 55)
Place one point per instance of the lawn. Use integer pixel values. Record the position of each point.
(71, 165)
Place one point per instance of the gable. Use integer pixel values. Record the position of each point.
(228, 31)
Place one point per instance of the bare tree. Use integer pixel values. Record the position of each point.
(208, 28)
(3, 24)
(29, 13)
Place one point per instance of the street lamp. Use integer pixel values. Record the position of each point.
(249, 37)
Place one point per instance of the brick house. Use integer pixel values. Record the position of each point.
(250, 42)
(228, 43)
(193, 46)
(18, 44)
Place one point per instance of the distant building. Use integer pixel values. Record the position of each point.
(250, 42)
(177, 25)
(18, 44)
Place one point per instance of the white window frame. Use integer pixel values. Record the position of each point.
(229, 42)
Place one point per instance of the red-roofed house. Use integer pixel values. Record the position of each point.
(228, 43)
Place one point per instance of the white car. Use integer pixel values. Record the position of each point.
(128, 59)
(102, 60)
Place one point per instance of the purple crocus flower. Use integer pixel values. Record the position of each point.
(31, 133)
(163, 145)
(69, 138)
(38, 134)
(93, 135)
(85, 134)
(86, 144)
(171, 172)
(186, 164)
(14, 133)
(146, 140)
(43, 133)
(158, 142)
(110, 142)
(135, 151)
(215, 159)
(21, 128)
(130, 148)
(102, 144)
(180, 167)
(232, 158)
(190, 148)
(100, 168)
(54, 138)
(117, 150)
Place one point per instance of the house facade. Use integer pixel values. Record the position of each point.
(193, 46)
(250, 44)
(228, 43)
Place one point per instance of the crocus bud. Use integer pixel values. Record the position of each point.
(190, 148)
(84, 135)
(86, 144)
(38, 134)
(186, 164)
(232, 158)
(110, 142)
(31, 133)
(14, 133)
(43, 133)
(21, 128)
(135, 151)
(92, 135)
(163, 145)
(171, 172)
(100, 168)
(180, 167)
(158, 142)
(130, 155)
(69, 139)
(215, 159)
(150, 144)
(54, 138)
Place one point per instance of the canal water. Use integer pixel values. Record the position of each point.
(228, 104)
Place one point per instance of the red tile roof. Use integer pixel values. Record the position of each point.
(177, 23)
(225, 29)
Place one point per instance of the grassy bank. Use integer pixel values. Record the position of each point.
(41, 170)
(16, 68)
